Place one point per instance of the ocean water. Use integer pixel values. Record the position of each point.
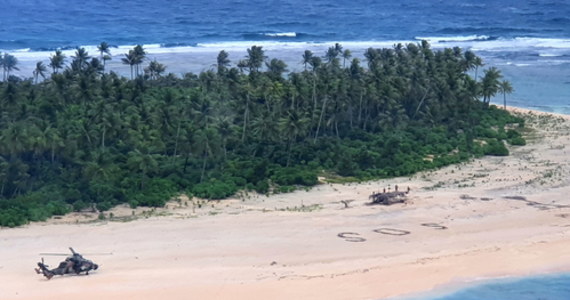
(529, 40)
(551, 287)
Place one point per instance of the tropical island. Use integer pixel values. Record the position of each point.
(80, 137)
(258, 179)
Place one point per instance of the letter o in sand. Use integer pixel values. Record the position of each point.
(391, 231)
(347, 237)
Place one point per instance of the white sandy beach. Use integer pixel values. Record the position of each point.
(287, 246)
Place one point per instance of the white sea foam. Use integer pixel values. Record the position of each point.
(544, 42)
(277, 45)
(151, 46)
(544, 48)
(549, 55)
(484, 43)
(23, 50)
(455, 38)
(282, 34)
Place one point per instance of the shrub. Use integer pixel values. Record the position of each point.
(517, 141)
(156, 193)
(496, 148)
(295, 176)
(214, 189)
(262, 187)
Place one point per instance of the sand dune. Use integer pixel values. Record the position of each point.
(499, 216)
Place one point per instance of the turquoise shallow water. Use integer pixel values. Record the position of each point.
(539, 87)
(550, 287)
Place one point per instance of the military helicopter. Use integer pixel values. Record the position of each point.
(73, 264)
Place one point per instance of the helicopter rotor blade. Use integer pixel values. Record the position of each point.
(64, 254)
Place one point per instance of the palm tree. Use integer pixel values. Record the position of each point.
(206, 141)
(80, 60)
(94, 66)
(293, 125)
(130, 59)
(255, 58)
(57, 60)
(104, 52)
(315, 62)
(472, 61)
(40, 70)
(331, 54)
(371, 56)
(469, 60)
(264, 128)
(346, 55)
(140, 55)
(307, 57)
(275, 68)
(223, 62)
(142, 163)
(338, 48)
(505, 87)
(490, 84)
(8, 63)
(225, 129)
(154, 69)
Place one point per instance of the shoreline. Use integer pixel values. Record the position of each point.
(286, 246)
(452, 288)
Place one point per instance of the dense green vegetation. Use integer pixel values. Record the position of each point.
(84, 137)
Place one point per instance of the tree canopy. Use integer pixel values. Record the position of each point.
(84, 137)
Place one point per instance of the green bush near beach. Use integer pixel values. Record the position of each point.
(85, 138)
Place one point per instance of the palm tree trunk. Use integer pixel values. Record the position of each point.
(289, 152)
(420, 104)
(186, 163)
(176, 141)
(142, 180)
(360, 108)
(314, 98)
(320, 119)
(336, 128)
(204, 166)
(224, 141)
(245, 116)
(476, 69)
(87, 135)
(103, 138)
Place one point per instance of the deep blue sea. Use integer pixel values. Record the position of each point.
(529, 40)
(39, 24)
